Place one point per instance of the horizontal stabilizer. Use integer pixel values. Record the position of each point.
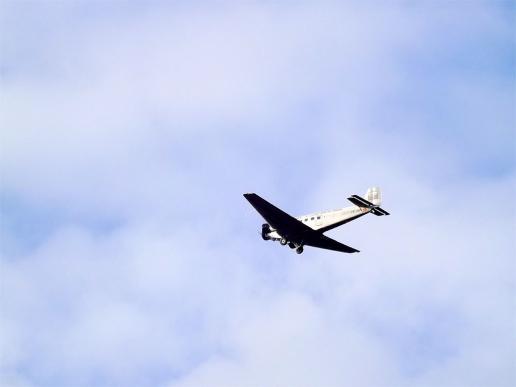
(360, 202)
(378, 211)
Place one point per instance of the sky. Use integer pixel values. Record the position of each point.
(130, 130)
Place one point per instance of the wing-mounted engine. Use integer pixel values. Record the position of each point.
(266, 229)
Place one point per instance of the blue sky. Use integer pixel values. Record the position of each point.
(130, 131)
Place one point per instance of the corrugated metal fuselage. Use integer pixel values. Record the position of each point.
(326, 220)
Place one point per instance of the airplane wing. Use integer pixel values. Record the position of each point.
(292, 229)
(323, 242)
(287, 225)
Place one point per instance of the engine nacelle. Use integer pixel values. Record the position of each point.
(266, 229)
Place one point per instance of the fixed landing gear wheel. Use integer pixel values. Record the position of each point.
(299, 250)
(283, 241)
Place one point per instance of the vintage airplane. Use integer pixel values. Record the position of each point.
(308, 230)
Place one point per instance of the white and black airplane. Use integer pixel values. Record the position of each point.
(308, 230)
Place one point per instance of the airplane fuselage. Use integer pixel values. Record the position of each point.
(321, 220)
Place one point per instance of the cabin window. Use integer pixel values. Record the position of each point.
(318, 217)
(312, 218)
(306, 220)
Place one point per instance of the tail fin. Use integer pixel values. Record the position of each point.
(371, 200)
(374, 196)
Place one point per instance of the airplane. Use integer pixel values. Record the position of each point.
(308, 230)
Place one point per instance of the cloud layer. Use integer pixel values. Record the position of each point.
(129, 133)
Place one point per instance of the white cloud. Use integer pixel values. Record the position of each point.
(157, 119)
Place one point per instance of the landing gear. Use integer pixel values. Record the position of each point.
(299, 250)
(291, 245)
(283, 241)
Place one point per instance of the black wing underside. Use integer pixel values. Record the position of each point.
(323, 242)
(292, 229)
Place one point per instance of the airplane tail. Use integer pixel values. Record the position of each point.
(371, 200)
(374, 195)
